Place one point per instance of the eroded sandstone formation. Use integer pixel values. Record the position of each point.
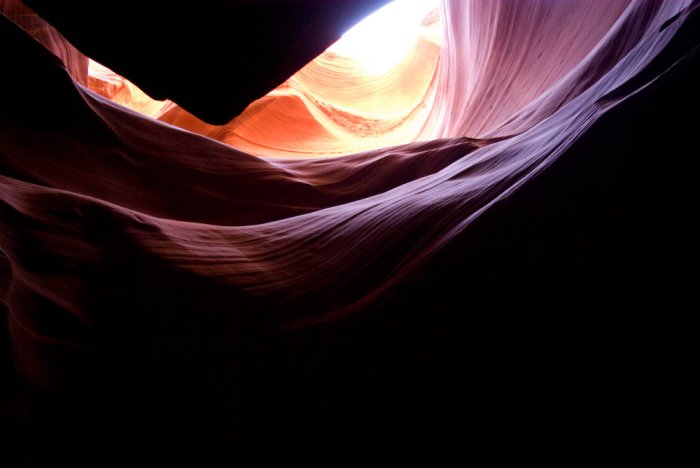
(157, 279)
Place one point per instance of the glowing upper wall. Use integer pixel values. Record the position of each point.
(415, 70)
(371, 89)
(382, 41)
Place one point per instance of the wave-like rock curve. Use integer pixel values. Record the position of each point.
(128, 243)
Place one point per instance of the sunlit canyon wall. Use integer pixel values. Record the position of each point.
(129, 243)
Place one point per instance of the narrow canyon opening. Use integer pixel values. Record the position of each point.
(372, 89)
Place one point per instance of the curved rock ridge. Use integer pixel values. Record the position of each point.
(286, 229)
(76, 63)
(137, 255)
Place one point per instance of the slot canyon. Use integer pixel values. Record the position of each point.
(338, 232)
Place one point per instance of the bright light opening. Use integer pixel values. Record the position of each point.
(382, 40)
